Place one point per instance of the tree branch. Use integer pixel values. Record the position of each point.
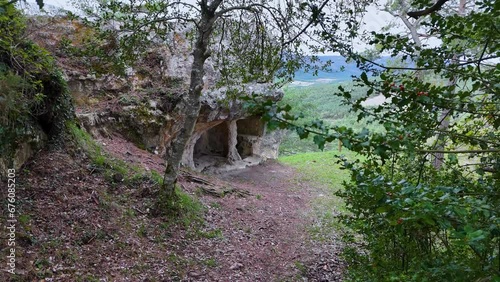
(482, 54)
(460, 151)
(214, 5)
(143, 9)
(307, 25)
(424, 12)
(429, 68)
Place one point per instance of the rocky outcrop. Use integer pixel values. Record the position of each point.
(224, 134)
(144, 106)
(25, 149)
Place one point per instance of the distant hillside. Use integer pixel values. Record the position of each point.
(340, 71)
(336, 74)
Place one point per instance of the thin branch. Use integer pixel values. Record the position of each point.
(450, 107)
(463, 136)
(143, 9)
(429, 68)
(460, 151)
(159, 20)
(184, 4)
(272, 11)
(482, 54)
(307, 25)
(249, 7)
(424, 12)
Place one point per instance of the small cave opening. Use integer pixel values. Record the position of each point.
(212, 147)
(46, 123)
(250, 132)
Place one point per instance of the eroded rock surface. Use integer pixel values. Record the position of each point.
(146, 106)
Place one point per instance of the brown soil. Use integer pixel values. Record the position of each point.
(74, 225)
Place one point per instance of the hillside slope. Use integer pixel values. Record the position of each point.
(78, 222)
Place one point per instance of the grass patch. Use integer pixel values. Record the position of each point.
(302, 268)
(186, 211)
(156, 177)
(114, 170)
(217, 233)
(210, 262)
(24, 219)
(322, 169)
(141, 231)
(190, 207)
(216, 205)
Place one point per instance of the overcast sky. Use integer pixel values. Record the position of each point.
(58, 3)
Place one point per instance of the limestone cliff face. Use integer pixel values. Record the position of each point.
(144, 106)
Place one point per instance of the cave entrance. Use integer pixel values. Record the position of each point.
(212, 146)
(250, 132)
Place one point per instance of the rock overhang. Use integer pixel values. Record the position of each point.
(145, 106)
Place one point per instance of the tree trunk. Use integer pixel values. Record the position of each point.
(444, 119)
(190, 107)
(441, 142)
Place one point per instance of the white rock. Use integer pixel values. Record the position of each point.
(236, 266)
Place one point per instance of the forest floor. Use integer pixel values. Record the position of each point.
(77, 224)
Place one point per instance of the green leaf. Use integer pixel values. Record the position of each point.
(320, 141)
(286, 108)
(346, 142)
(382, 209)
(302, 132)
(364, 77)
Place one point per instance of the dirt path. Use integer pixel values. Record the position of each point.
(279, 243)
(265, 234)
(79, 226)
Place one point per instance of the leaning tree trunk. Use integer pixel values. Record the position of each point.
(190, 107)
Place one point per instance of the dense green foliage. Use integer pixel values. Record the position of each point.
(34, 95)
(317, 102)
(423, 203)
(425, 215)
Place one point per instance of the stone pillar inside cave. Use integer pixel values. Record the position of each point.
(197, 144)
(232, 154)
